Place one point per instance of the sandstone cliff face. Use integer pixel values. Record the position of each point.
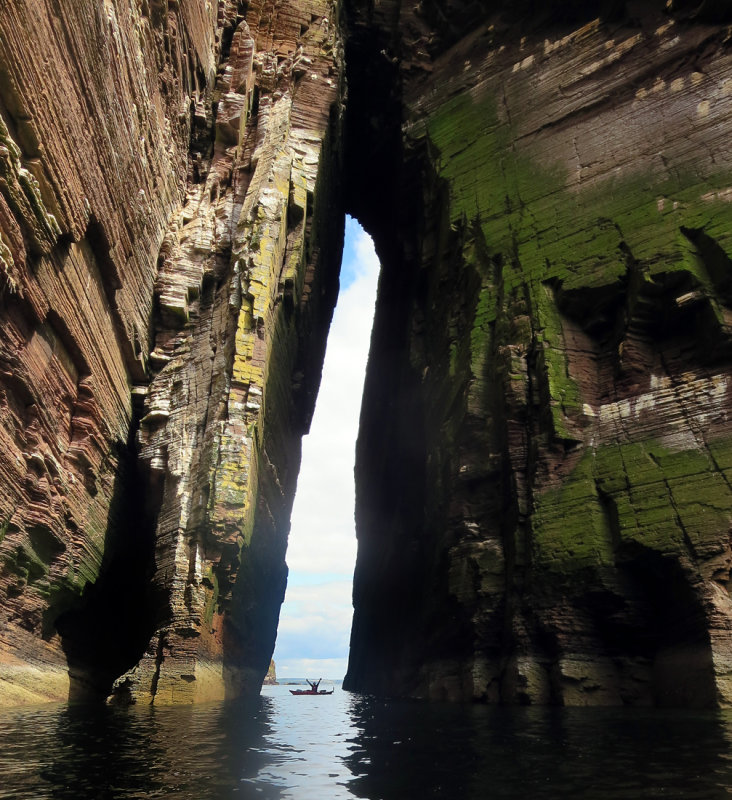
(543, 500)
(246, 286)
(165, 174)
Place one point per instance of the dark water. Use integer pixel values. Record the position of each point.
(346, 746)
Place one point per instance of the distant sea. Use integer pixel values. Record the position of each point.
(341, 746)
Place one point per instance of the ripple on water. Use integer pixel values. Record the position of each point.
(283, 747)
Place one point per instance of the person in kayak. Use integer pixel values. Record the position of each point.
(314, 684)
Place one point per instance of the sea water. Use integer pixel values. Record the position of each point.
(350, 746)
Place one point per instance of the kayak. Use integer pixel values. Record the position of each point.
(310, 691)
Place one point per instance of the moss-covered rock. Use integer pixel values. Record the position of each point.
(559, 251)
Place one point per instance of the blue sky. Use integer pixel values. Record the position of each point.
(315, 620)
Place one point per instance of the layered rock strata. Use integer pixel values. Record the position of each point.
(543, 500)
(94, 151)
(544, 463)
(165, 175)
(246, 287)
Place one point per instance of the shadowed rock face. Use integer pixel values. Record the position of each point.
(543, 467)
(544, 499)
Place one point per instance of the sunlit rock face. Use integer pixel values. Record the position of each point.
(246, 285)
(168, 268)
(544, 464)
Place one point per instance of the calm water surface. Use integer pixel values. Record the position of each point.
(348, 746)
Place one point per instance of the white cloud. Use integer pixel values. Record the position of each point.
(321, 611)
(313, 668)
(322, 537)
(315, 619)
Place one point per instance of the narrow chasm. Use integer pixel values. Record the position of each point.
(315, 619)
(544, 462)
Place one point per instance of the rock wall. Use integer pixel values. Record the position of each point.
(270, 679)
(544, 502)
(168, 266)
(544, 499)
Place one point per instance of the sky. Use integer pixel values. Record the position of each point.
(315, 620)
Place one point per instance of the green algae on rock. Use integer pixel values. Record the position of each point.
(545, 455)
(558, 517)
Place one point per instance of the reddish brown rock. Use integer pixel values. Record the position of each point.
(94, 147)
(161, 166)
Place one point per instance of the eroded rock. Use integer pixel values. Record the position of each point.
(544, 506)
(168, 264)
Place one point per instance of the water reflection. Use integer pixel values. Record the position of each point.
(100, 752)
(97, 750)
(477, 753)
(284, 748)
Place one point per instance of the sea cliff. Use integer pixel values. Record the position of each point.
(168, 274)
(544, 466)
(543, 501)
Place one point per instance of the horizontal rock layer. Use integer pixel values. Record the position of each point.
(246, 287)
(544, 501)
(95, 128)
